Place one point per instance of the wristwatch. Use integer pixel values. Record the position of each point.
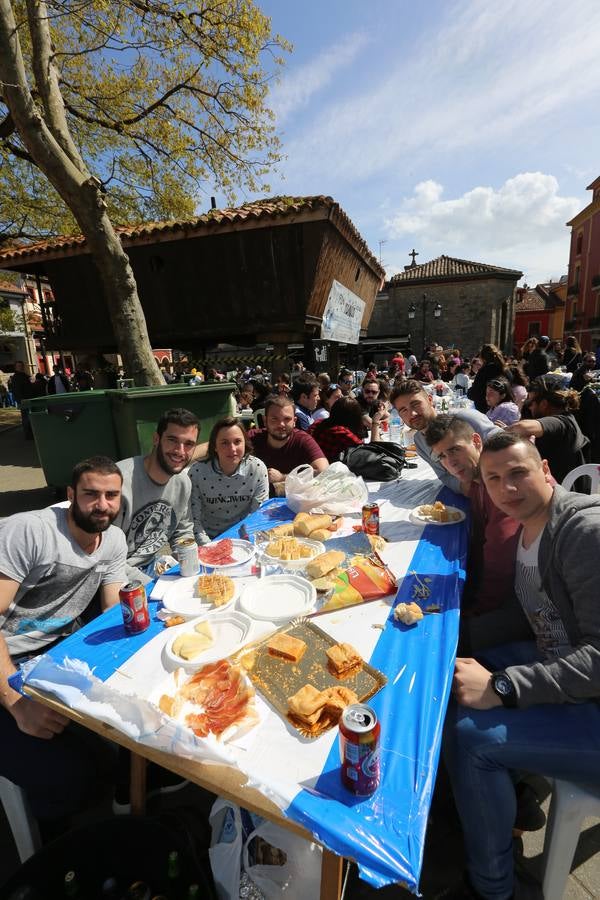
(504, 688)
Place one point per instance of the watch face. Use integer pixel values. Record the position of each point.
(503, 685)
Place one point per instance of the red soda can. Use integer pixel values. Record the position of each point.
(134, 607)
(359, 749)
(370, 518)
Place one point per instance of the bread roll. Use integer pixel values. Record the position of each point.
(306, 526)
(324, 563)
(321, 534)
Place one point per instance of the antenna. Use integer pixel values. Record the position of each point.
(381, 243)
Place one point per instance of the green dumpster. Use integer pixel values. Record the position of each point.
(68, 428)
(136, 411)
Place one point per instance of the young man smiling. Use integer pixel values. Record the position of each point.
(416, 409)
(533, 705)
(52, 563)
(493, 547)
(280, 445)
(156, 492)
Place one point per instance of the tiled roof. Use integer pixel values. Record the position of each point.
(539, 298)
(13, 288)
(445, 267)
(258, 213)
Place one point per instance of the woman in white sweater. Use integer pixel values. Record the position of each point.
(228, 484)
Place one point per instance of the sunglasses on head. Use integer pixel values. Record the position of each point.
(497, 385)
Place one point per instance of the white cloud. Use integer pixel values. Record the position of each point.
(298, 86)
(481, 77)
(519, 225)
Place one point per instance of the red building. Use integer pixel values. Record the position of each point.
(583, 291)
(540, 310)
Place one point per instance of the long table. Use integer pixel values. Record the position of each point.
(297, 783)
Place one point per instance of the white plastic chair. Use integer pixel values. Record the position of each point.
(22, 823)
(569, 806)
(592, 470)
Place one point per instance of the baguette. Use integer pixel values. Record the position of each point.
(305, 527)
(324, 563)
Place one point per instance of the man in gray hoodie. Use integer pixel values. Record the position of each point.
(534, 704)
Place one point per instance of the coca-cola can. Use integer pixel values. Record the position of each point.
(186, 553)
(134, 606)
(370, 518)
(359, 749)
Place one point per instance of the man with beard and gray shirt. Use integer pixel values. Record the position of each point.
(155, 508)
(52, 564)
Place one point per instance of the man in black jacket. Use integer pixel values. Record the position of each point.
(538, 362)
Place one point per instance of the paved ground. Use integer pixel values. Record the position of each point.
(22, 487)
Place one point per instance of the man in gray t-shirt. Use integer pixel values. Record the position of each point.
(52, 564)
(416, 409)
(155, 508)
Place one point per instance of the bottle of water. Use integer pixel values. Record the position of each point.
(395, 426)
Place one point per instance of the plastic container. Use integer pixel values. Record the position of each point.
(70, 427)
(136, 411)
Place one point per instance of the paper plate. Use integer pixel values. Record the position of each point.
(278, 598)
(179, 599)
(418, 519)
(229, 629)
(316, 546)
(242, 552)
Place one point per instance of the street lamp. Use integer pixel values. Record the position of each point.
(437, 312)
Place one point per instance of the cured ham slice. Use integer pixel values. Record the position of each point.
(221, 692)
(217, 554)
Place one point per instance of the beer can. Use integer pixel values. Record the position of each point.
(370, 518)
(186, 552)
(134, 607)
(359, 749)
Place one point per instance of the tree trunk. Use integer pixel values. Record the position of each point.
(50, 146)
(120, 289)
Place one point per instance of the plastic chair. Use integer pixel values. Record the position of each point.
(569, 806)
(591, 470)
(22, 823)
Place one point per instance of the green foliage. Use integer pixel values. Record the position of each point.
(166, 101)
(7, 320)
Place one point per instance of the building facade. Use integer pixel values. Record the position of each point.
(448, 301)
(540, 310)
(583, 290)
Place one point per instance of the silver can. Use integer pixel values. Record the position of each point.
(186, 553)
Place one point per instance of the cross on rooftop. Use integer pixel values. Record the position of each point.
(413, 253)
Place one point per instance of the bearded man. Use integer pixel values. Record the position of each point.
(52, 564)
(155, 509)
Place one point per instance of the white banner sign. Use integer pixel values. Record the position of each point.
(343, 315)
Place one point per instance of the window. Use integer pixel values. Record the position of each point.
(534, 329)
(577, 273)
(574, 309)
(579, 243)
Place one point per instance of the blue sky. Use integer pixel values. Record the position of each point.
(467, 128)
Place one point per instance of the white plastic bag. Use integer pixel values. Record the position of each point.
(335, 490)
(227, 844)
(298, 878)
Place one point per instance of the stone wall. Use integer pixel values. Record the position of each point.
(474, 312)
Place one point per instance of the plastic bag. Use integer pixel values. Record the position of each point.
(300, 875)
(335, 491)
(233, 851)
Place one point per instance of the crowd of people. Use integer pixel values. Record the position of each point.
(527, 680)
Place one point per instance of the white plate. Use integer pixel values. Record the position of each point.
(179, 599)
(278, 598)
(418, 519)
(316, 546)
(242, 552)
(229, 630)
